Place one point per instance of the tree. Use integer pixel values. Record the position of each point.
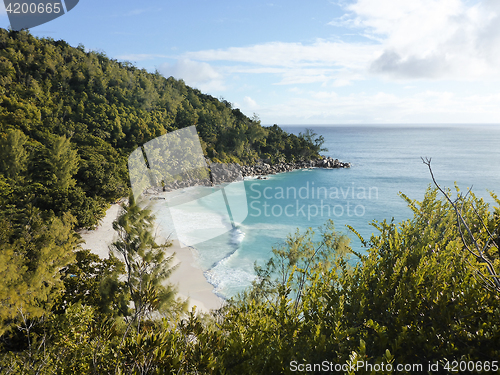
(95, 282)
(289, 270)
(483, 249)
(62, 163)
(274, 322)
(83, 112)
(314, 141)
(13, 156)
(410, 298)
(147, 267)
(30, 265)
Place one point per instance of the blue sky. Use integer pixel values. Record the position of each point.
(309, 62)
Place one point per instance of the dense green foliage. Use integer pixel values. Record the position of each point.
(147, 267)
(30, 260)
(78, 116)
(69, 119)
(412, 298)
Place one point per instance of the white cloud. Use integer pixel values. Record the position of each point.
(328, 107)
(412, 66)
(341, 82)
(295, 63)
(249, 103)
(294, 55)
(140, 56)
(410, 43)
(431, 38)
(197, 74)
(137, 12)
(424, 39)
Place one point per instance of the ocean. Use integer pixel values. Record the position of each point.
(386, 160)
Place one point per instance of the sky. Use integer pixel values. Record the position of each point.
(309, 62)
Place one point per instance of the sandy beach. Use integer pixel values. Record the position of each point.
(189, 278)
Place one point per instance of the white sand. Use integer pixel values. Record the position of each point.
(189, 278)
(99, 239)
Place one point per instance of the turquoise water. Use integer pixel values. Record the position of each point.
(385, 161)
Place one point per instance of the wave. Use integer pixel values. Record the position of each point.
(223, 275)
(215, 256)
(227, 280)
(236, 236)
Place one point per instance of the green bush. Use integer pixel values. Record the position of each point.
(412, 298)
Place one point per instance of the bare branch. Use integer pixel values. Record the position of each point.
(490, 281)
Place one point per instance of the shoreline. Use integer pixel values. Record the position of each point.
(235, 172)
(188, 277)
(264, 169)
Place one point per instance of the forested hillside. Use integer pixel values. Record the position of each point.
(70, 118)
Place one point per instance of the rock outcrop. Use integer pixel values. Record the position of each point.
(222, 173)
(263, 169)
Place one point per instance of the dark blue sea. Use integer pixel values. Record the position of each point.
(386, 160)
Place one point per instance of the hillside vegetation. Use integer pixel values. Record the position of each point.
(413, 300)
(70, 118)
